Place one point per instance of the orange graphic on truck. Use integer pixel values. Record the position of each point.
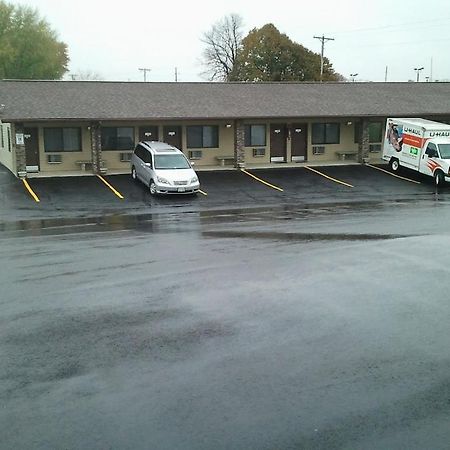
(433, 165)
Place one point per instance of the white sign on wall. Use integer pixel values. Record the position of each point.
(19, 139)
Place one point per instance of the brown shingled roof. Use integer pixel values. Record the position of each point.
(92, 100)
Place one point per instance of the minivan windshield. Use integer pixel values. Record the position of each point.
(171, 162)
(445, 151)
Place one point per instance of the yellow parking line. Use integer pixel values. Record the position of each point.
(329, 178)
(393, 174)
(36, 198)
(107, 184)
(262, 181)
(201, 192)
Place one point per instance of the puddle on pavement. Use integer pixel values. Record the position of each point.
(56, 226)
(189, 220)
(304, 237)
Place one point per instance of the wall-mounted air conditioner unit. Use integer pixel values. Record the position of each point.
(54, 159)
(318, 150)
(125, 157)
(259, 152)
(195, 154)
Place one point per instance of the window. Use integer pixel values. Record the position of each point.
(117, 138)
(2, 143)
(143, 154)
(62, 139)
(9, 139)
(206, 136)
(325, 133)
(255, 135)
(444, 150)
(431, 150)
(171, 162)
(139, 151)
(375, 132)
(375, 135)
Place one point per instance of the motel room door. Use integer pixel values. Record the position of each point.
(278, 147)
(299, 141)
(172, 135)
(148, 133)
(31, 149)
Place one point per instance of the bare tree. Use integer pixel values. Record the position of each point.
(222, 45)
(86, 75)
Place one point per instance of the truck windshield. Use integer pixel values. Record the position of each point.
(444, 149)
(171, 162)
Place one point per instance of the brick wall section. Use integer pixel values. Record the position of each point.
(239, 143)
(363, 146)
(21, 160)
(96, 147)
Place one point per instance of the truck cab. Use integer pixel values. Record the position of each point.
(435, 160)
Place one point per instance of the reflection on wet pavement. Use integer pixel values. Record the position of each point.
(308, 237)
(170, 222)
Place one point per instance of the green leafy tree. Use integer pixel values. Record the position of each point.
(29, 48)
(268, 55)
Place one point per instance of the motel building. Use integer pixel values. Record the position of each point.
(56, 128)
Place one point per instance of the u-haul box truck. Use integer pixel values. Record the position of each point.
(418, 144)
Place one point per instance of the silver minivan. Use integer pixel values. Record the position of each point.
(163, 168)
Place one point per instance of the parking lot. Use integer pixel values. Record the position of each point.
(93, 196)
(299, 310)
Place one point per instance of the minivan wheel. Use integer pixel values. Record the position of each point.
(394, 165)
(133, 173)
(152, 187)
(439, 178)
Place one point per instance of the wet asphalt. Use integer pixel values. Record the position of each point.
(313, 318)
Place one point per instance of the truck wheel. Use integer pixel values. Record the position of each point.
(439, 178)
(394, 164)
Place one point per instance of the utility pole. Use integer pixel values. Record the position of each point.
(418, 69)
(145, 73)
(176, 74)
(385, 74)
(323, 39)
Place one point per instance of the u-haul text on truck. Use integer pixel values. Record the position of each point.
(418, 144)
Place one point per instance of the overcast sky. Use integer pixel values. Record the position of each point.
(114, 39)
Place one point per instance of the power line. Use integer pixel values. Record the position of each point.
(323, 39)
(390, 43)
(397, 25)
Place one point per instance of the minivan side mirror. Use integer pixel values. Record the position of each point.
(192, 163)
(148, 164)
